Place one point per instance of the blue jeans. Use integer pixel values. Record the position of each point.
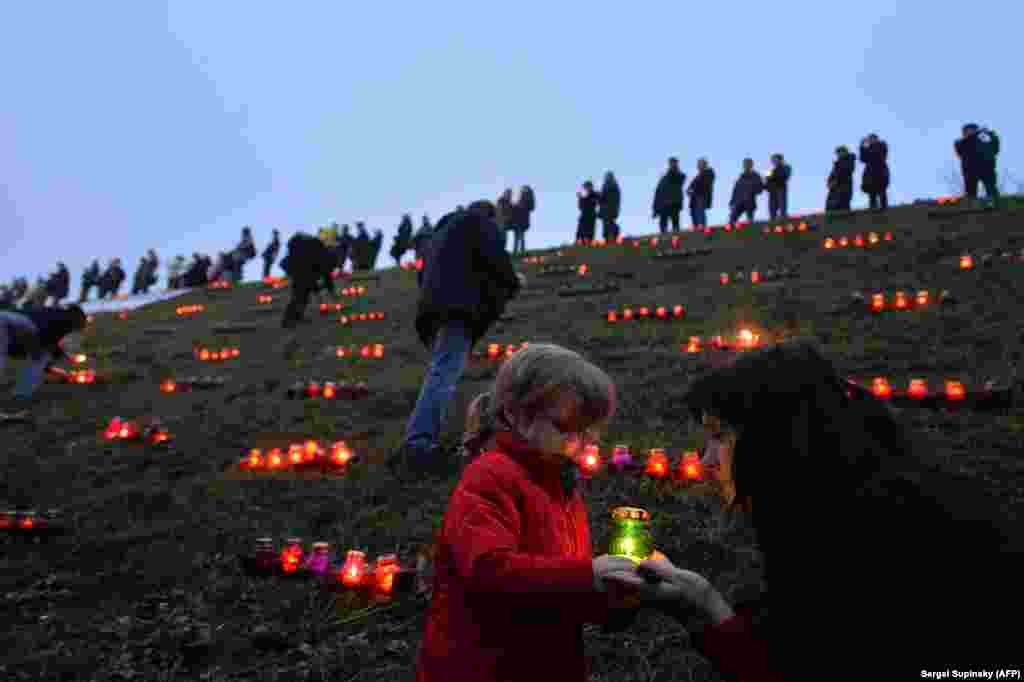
(451, 348)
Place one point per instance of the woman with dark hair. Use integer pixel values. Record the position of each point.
(874, 559)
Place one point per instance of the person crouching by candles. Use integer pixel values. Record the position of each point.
(903, 562)
(467, 280)
(308, 264)
(36, 334)
(514, 575)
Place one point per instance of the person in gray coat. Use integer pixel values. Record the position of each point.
(744, 193)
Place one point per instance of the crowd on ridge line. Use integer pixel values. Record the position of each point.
(514, 576)
(361, 250)
(977, 150)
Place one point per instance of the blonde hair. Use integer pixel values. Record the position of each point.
(479, 424)
(540, 375)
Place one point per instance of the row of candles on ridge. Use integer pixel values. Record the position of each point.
(28, 520)
(384, 579)
(901, 300)
(857, 240)
(128, 430)
(308, 454)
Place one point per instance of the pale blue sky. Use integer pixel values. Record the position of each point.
(139, 123)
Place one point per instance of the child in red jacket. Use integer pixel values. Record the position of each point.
(514, 575)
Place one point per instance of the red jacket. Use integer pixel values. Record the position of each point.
(513, 578)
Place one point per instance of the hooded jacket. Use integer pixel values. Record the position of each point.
(467, 276)
(513, 575)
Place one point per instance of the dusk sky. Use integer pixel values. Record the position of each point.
(131, 125)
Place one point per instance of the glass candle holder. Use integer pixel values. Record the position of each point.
(622, 456)
(354, 569)
(631, 533)
(265, 554)
(319, 559)
(657, 463)
(291, 556)
(384, 573)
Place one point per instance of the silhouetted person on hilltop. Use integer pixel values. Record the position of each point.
(422, 237)
(524, 207)
(668, 197)
(308, 264)
(840, 180)
(374, 249)
(874, 154)
(587, 200)
(59, 284)
(270, 253)
(977, 150)
(111, 279)
(777, 184)
(242, 254)
(139, 279)
(701, 190)
(175, 270)
(744, 193)
(402, 240)
(610, 207)
(198, 271)
(504, 215)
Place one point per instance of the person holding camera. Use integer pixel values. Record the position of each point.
(874, 154)
(977, 151)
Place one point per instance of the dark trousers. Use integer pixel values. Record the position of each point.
(609, 229)
(670, 213)
(586, 227)
(986, 177)
(302, 290)
(839, 198)
(84, 296)
(777, 200)
(698, 211)
(878, 200)
(268, 263)
(739, 209)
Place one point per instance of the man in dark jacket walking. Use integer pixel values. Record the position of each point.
(270, 253)
(309, 264)
(611, 205)
(840, 180)
(744, 193)
(701, 190)
(668, 197)
(977, 150)
(874, 154)
(467, 280)
(777, 184)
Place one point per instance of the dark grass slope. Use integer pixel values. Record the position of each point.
(147, 583)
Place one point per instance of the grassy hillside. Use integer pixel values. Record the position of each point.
(147, 585)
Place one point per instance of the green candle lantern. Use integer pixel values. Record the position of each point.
(631, 533)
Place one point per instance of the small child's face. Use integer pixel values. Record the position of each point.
(554, 430)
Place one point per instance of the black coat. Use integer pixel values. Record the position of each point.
(522, 210)
(467, 276)
(978, 152)
(91, 275)
(270, 253)
(778, 178)
(703, 185)
(308, 262)
(876, 169)
(669, 193)
(611, 201)
(842, 171)
(587, 204)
